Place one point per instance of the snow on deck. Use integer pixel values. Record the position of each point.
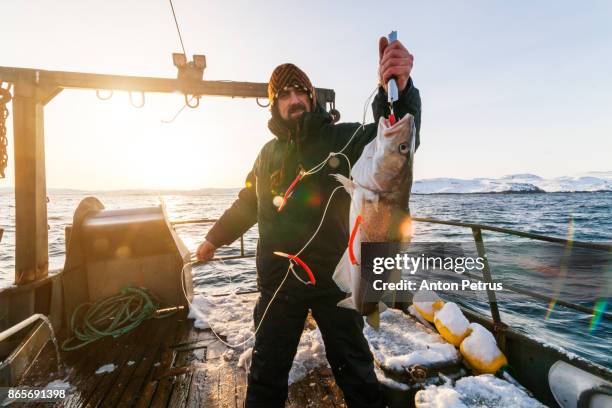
(231, 317)
(402, 342)
(483, 391)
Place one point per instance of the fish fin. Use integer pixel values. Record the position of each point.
(347, 303)
(373, 319)
(342, 274)
(374, 199)
(347, 183)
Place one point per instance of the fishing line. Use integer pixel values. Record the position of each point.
(177, 28)
(321, 165)
(290, 266)
(178, 112)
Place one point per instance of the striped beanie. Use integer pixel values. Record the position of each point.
(288, 75)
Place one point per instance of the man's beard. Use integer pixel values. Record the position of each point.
(293, 121)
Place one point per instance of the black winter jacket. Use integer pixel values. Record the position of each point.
(287, 231)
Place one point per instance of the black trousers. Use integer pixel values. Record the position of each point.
(276, 344)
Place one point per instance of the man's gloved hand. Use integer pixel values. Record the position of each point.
(394, 62)
(205, 251)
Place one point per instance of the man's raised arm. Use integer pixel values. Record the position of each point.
(409, 102)
(394, 62)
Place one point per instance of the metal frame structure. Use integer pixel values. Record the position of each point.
(33, 89)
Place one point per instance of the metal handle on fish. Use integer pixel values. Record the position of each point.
(392, 90)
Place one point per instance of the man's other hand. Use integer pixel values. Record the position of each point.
(394, 62)
(205, 251)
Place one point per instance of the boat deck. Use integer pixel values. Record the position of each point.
(164, 363)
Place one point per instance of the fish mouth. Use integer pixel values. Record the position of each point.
(392, 129)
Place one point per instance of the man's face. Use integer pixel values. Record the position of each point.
(292, 103)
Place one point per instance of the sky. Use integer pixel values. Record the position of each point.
(506, 87)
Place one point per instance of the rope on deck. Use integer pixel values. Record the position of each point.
(113, 316)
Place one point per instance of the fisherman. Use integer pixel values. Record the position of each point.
(304, 135)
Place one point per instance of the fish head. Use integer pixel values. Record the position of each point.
(394, 154)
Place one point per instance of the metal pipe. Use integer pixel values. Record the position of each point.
(480, 227)
(223, 258)
(21, 325)
(581, 244)
(515, 289)
(197, 221)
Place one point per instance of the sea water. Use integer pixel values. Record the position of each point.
(581, 216)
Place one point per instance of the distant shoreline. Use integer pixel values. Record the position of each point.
(235, 189)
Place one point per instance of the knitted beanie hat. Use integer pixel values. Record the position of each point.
(288, 75)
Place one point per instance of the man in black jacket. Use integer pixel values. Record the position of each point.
(304, 137)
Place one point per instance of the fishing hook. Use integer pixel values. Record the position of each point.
(259, 104)
(142, 103)
(106, 98)
(195, 105)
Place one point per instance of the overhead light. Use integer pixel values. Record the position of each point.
(179, 60)
(199, 61)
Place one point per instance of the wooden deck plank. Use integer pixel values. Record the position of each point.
(170, 360)
(240, 384)
(325, 377)
(193, 371)
(227, 386)
(192, 356)
(125, 375)
(127, 345)
(108, 393)
(144, 395)
(82, 364)
(145, 366)
(317, 389)
(198, 383)
(210, 394)
(83, 376)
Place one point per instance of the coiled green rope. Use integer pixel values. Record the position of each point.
(113, 316)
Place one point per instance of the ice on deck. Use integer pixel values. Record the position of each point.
(483, 391)
(107, 368)
(402, 342)
(231, 317)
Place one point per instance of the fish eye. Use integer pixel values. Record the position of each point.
(403, 148)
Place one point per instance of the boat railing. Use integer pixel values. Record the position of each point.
(477, 230)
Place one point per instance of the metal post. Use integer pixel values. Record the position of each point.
(242, 245)
(486, 275)
(31, 229)
(31, 250)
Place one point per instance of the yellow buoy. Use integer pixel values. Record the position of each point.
(451, 323)
(427, 302)
(480, 351)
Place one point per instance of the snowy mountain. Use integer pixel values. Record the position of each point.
(517, 183)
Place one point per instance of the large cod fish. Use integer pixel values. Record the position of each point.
(380, 185)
